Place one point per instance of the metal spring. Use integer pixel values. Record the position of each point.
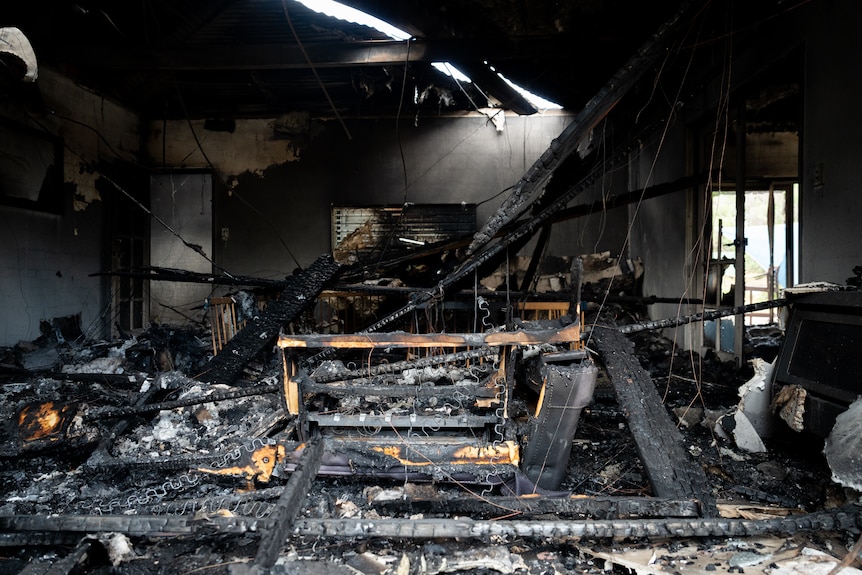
(486, 308)
(258, 509)
(236, 453)
(148, 496)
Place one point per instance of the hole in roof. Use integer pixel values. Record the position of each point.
(349, 14)
(452, 71)
(342, 12)
(536, 100)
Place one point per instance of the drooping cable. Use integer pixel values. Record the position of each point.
(313, 69)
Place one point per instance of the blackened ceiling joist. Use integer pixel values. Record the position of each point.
(215, 57)
(239, 58)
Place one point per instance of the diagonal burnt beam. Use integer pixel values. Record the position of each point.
(562, 147)
(670, 469)
(262, 331)
(527, 227)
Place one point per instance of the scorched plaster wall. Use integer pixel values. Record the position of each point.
(46, 258)
(277, 179)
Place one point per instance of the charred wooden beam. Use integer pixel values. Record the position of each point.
(452, 454)
(262, 331)
(538, 252)
(844, 518)
(567, 507)
(289, 504)
(619, 200)
(38, 527)
(668, 466)
(702, 316)
(405, 456)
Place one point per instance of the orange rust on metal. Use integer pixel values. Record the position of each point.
(259, 465)
(403, 339)
(505, 453)
(42, 421)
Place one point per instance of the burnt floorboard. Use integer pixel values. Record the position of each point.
(668, 466)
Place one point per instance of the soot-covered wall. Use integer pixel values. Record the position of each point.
(47, 257)
(276, 180)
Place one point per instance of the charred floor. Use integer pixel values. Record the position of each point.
(542, 445)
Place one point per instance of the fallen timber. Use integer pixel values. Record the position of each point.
(668, 466)
(262, 331)
(562, 507)
(289, 504)
(841, 518)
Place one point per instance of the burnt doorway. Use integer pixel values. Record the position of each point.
(128, 227)
(752, 202)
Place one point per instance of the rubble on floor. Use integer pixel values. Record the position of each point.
(152, 470)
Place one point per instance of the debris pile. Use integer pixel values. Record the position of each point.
(521, 448)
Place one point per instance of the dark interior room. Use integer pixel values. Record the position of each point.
(405, 287)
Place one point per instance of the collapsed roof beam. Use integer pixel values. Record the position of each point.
(561, 148)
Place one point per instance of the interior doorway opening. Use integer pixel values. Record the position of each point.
(771, 238)
(752, 203)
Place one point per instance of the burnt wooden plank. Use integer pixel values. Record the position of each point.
(564, 507)
(289, 504)
(262, 331)
(668, 466)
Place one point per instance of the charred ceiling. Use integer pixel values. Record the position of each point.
(244, 58)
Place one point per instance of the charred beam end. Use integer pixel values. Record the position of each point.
(289, 504)
(668, 466)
